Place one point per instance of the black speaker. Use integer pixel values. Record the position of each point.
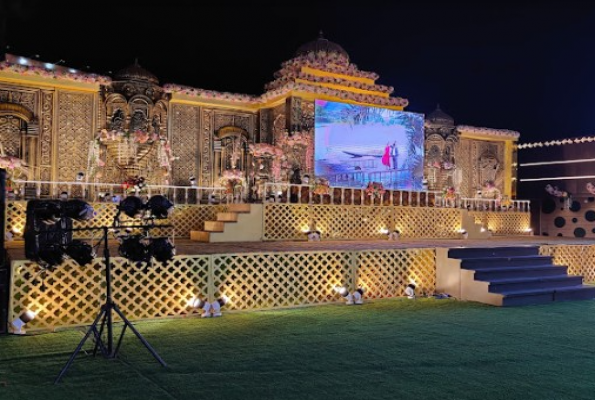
(45, 228)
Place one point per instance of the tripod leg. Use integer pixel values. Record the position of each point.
(98, 340)
(120, 340)
(92, 329)
(139, 336)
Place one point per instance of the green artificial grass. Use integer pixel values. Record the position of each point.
(385, 349)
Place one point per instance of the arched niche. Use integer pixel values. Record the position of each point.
(18, 133)
(231, 149)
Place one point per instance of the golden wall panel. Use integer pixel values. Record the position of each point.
(46, 137)
(75, 118)
(207, 163)
(184, 138)
(503, 223)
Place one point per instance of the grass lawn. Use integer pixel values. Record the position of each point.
(386, 349)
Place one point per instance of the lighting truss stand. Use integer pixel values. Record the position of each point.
(104, 319)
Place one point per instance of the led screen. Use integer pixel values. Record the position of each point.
(355, 145)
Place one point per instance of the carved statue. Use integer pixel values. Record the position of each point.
(117, 121)
(138, 121)
(156, 124)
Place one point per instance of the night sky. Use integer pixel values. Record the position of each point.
(529, 68)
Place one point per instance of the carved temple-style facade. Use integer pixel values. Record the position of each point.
(50, 115)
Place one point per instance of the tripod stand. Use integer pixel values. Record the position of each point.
(104, 319)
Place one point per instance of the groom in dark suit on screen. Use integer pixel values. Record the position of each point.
(394, 155)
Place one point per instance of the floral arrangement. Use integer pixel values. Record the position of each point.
(449, 193)
(441, 165)
(554, 191)
(289, 76)
(136, 136)
(211, 94)
(264, 150)
(135, 184)
(232, 179)
(321, 187)
(285, 89)
(375, 189)
(53, 74)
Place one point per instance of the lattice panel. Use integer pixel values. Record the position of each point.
(286, 221)
(387, 273)
(426, 222)
(16, 217)
(580, 259)
(186, 217)
(191, 217)
(74, 294)
(75, 130)
(504, 223)
(267, 280)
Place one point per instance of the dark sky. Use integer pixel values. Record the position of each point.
(529, 68)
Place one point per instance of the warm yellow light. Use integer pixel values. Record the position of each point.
(192, 302)
(305, 229)
(17, 230)
(483, 229)
(384, 231)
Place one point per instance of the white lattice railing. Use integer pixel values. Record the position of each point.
(343, 195)
(98, 192)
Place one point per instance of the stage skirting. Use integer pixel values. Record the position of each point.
(286, 221)
(71, 295)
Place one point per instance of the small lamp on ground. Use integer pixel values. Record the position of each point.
(358, 296)
(217, 304)
(204, 305)
(192, 180)
(394, 235)
(410, 291)
(80, 176)
(345, 294)
(21, 321)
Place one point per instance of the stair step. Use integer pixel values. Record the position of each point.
(214, 226)
(200, 236)
(239, 207)
(227, 216)
(479, 263)
(480, 252)
(488, 274)
(582, 292)
(541, 296)
(546, 282)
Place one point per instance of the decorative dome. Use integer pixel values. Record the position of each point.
(321, 45)
(439, 117)
(137, 73)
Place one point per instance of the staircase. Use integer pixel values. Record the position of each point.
(240, 223)
(506, 276)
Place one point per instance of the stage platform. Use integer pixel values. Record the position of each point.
(187, 247)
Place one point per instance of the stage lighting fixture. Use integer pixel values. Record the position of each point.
(358, 296)
(132, 206)
(21, 321)
(80, 176)
(78, 210)
(49, 212)
(81, 252)
(160, 207)
(410, 291)
(204, 305)
(52, 255)
(135, 248)
(212, 198)
(192, 181)
(345, 293)
(63, 196)
(163, 250)
(217, 304)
